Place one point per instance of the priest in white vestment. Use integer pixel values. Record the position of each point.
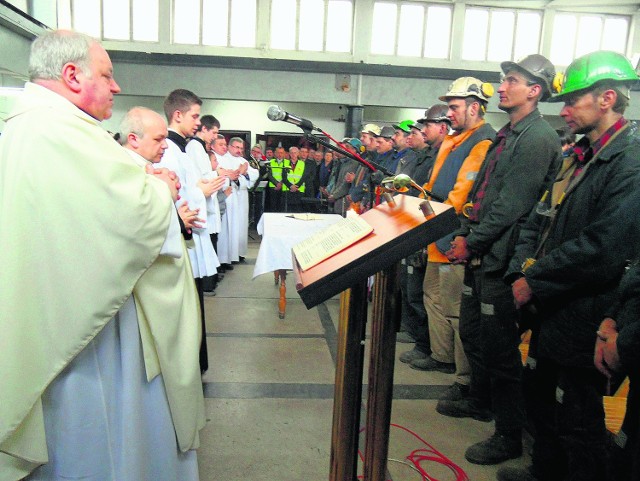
(99, 377)
(235, 236)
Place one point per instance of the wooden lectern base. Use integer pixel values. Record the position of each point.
(400, 229)
(280, 277)
(349, 376)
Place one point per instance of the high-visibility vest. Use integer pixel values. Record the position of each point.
(276, 170)
(294, 175)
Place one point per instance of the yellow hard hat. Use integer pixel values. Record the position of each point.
(469, 87)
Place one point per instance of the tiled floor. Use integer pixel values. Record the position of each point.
(269, 393)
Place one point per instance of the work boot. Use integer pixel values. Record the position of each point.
(515, 474)
(405, 338)
(430, 364)
(464, 408)
(496, 449)
(410, 356)
(455, 392)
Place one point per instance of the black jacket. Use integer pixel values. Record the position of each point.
(585, 253)
(529, 159)
(626, 313)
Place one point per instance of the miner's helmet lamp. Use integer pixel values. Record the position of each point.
(585, 72)
(469, 87)
(538, 69)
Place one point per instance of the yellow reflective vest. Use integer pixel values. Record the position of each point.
(294, 175)
(276, 171)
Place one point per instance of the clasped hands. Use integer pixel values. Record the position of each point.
(209, 186)
(189, 217)
(606, 357)
(459, 252)
(168, 177)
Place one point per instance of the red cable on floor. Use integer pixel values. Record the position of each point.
(422, 455)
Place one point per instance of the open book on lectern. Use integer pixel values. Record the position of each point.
(328, 242)
(395, 230)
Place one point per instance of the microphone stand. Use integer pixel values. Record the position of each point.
(373, 167)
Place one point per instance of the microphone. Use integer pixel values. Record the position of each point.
(402, 182)
(276, 113)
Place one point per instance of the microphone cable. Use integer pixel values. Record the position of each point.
(420, 456)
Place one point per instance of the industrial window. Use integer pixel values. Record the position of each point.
(411, 29)
(193, 22)
(313, 25)
(135, 20)
(577, 34)
(221, 23)
(499, 34)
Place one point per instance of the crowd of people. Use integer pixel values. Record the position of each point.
(547, 234)
(128, 237)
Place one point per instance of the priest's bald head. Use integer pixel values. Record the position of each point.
(145, 132)
(76, 67)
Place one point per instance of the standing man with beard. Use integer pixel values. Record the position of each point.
(523, 158)
(458, 158)
(247, 176)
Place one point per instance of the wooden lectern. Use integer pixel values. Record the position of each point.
(400, 229)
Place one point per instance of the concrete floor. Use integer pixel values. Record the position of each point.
(269, 393)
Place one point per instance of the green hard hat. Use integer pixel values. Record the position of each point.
(584, 72)
(405, 125)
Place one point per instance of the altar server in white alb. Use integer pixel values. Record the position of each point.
(99, 377)
(182, 109)
(206, 133)
(198, 149)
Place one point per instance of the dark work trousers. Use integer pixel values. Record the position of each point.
(274, 200)
(570, 435)
(204, 357)
(209, 283)
(413, 317)
(625, 456)
(294, 201)
(489, 334)
(257, 199)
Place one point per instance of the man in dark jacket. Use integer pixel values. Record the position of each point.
(569, 260)
(617, 354)
(425, 154)
(524, 156)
